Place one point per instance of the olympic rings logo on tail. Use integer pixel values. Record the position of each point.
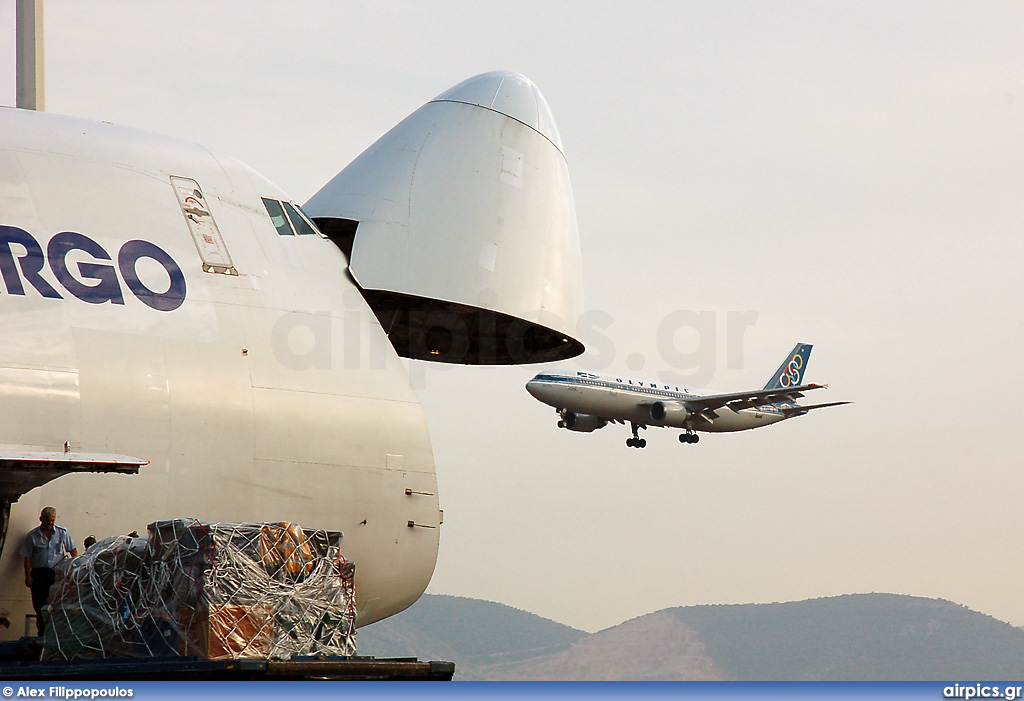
(791, 375)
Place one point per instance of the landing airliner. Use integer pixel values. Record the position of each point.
(586, 402)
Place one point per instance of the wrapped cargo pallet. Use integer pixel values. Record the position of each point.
(207, 590)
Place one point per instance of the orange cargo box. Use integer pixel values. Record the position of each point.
(227, 632)
(285, 550)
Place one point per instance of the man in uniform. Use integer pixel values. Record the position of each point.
(44, 548)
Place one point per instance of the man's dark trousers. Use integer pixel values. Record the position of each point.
(42, 580)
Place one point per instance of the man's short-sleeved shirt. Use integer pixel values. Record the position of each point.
(47, 552)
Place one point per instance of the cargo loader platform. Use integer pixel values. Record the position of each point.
(20, 661)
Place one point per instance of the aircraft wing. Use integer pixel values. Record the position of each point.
(21, 472)
(705, 407)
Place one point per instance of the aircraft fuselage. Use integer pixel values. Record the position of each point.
(151, 305)
(619, 398)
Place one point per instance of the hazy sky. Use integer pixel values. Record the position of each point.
(845, 174)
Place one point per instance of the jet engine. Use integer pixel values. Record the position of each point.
(670, 414)
(584, 423)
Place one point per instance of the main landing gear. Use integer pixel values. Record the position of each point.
(636, 441)
(688, 437)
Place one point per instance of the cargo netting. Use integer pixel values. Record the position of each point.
(208, 590)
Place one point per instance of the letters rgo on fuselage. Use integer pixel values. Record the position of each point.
(97, 281)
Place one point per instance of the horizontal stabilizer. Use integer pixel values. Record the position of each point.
(21, 472)
(788, 411)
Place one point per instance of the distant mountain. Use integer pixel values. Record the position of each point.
(475, 635)
(853, 637)
(858, 637)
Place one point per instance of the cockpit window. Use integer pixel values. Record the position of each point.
(302, 225)
(277, 216)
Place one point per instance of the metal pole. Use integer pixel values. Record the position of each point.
(30, 54)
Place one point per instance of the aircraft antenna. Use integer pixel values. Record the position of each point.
(29, 16)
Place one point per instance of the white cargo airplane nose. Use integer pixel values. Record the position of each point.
(510, 94)
(462, 218)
